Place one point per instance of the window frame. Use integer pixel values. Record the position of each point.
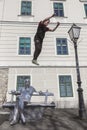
(85, 10)
(66, 91)
(21, 8)
(63, 9)
(21, 76)
(19, 46)
(66, 46)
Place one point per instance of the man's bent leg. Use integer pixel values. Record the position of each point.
(38, 48)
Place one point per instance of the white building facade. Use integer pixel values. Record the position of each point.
(57, 72)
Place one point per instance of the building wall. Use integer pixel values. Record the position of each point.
(47, 78)
(41, 9)
(9, 44)
(13, 26)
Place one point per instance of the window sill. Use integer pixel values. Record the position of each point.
(57, 55)
(85, 17)
(66, 96)
(26, 15)
(24, 55)
(83, 0)
(60, 17)
(57, 0)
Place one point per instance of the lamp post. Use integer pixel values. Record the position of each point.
(74, 33)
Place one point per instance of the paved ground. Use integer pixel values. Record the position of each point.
(60, 119)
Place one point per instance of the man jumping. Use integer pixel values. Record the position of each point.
(39, 36)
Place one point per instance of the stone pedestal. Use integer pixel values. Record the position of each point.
(34, 112)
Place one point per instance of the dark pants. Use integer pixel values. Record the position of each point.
(38, 48)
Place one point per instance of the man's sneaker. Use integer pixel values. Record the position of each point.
(35, 62)
(13, 122)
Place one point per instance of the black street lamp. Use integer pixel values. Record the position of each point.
(74, 33)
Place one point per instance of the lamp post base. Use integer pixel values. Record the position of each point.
(82, 110)
(82, 114)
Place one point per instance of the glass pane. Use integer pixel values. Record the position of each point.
(61, 13)
(58, 40)
(61, 79)
(28, 11)
(62, 91)
(69, 95)
(56, 12)
(28, 52)
(28, 4)
(21, 45)
(65, 50)
(69, 91)
(22, 48)
(27, 40)
(68, 78)
(28, 45)
(23, 3)
(64, 53)
(85, 5)
(21, 52)
(64, 41)
(58, 50)
(55, 5)
(60, 6)
(22, 40)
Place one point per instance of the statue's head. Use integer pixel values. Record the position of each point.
(27, 82)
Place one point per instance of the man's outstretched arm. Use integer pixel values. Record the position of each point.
(48, 18)
(52, 30)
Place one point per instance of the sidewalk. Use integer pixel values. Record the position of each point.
(62, 119)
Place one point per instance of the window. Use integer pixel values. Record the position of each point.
(58, 9)
(26, 8)
(61, 46)
(65, 86)
(24, 46)
(85, 7)
(21, 81)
